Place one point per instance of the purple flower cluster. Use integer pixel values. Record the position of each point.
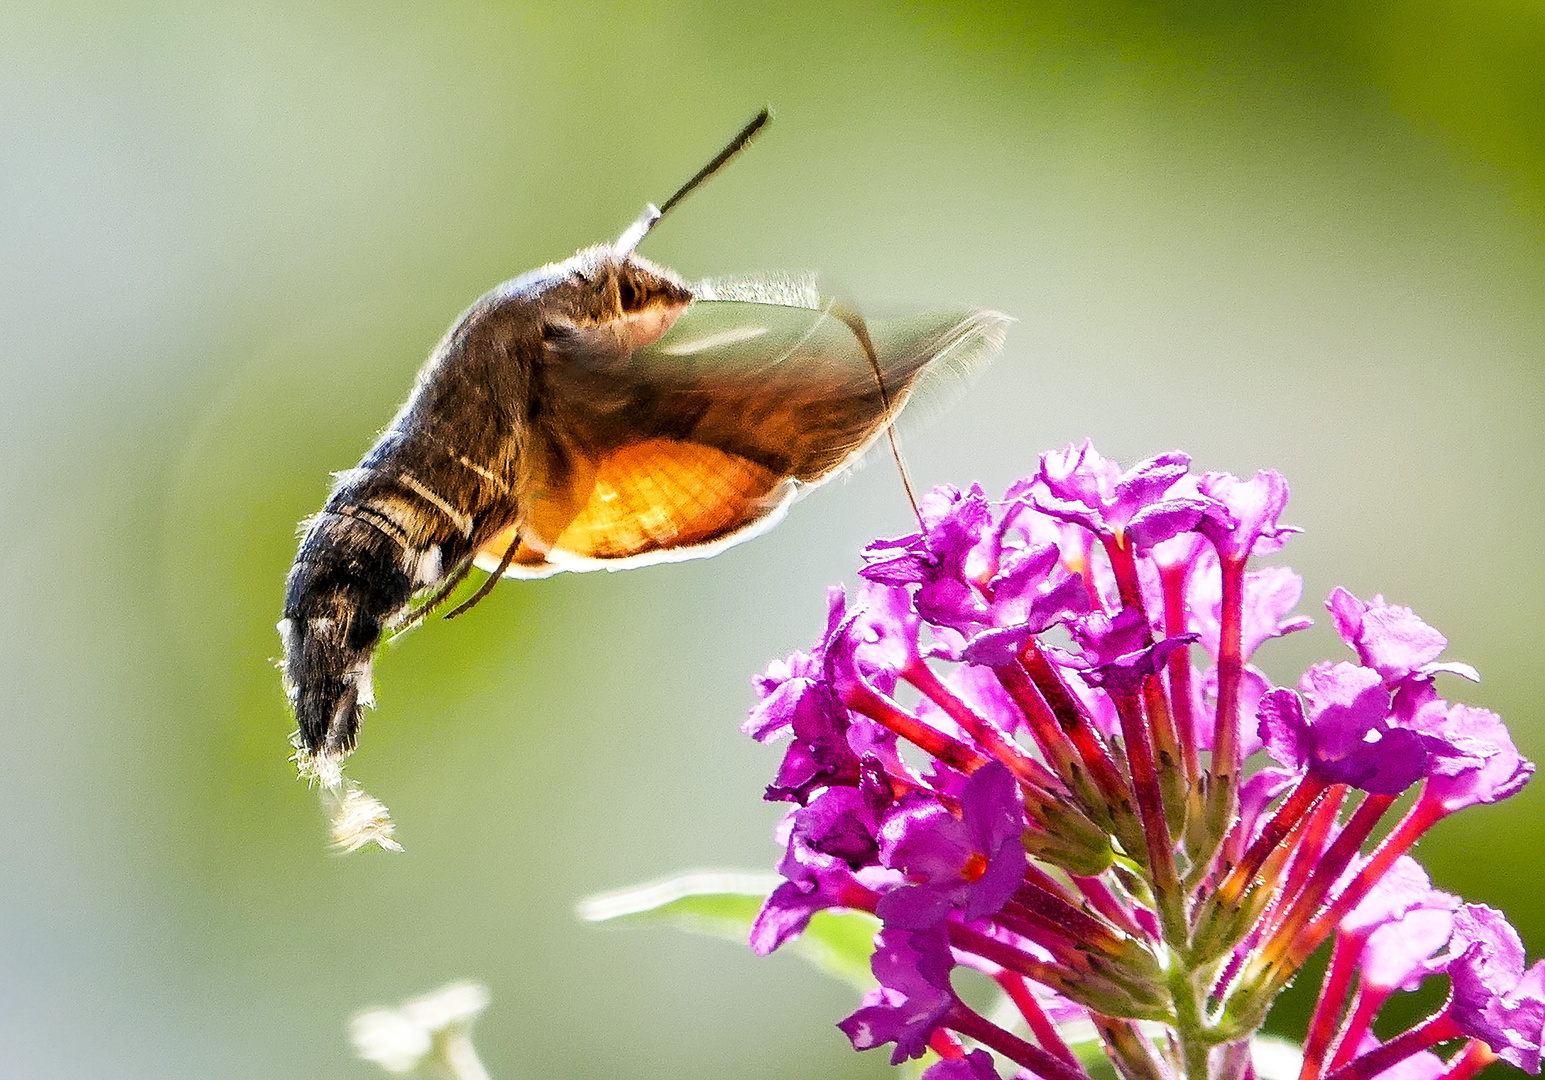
(1034, 744)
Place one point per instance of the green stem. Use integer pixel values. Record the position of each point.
(1190, 1025)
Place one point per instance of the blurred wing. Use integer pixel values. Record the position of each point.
(789, 387)
(699, 440)
(780, 289)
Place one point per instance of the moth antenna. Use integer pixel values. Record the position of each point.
(488, 586)
(634, 234)
(855, 322)
(733, 147)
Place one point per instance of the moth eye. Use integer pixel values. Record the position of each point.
(631, 296)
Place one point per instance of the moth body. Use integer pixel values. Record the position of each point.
(449, 473)
(595, 413)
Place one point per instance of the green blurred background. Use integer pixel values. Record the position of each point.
(1301, 236)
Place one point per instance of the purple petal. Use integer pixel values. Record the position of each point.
(887, 625)
(956, 523)
(1003, 877)
(1396, 953)
(1346, 702)
(996, 647)
(1502, 772)
(1405, 885)
(1125, 674)
(913, 997)
(1271, 594)
(773, 716)
(1346, 613)
(991, 808)
(1148, 481)
(994, 815)
(951, 602)
(977, 1065)
(785, 914)
(1257, 792)
(1255, 505)
(924, 840)
(1022, 575)
(842, 822)
(1073, 513)
(1491, 999)
(1065, 599)
(1165, 520)
(1283, 729)
(973, 862)
(915, 907)
(1386, 766)
(815, 882)
(896, 567)
(1390, 639)
(1106, 639)
(1078, 475)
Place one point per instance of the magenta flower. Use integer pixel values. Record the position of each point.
(1494, 1001)
(1494, 998)
(977, 1065)
(1082, 488)
(1347, 737)
(914, 995)
(1494, 771)
(1391, 640)
(1030, 744)
(1270, 596)
(1120, 651)
(1253, 507)
(814, 883)
(972, 863)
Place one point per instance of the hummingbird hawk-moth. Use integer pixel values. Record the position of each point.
(596, 412)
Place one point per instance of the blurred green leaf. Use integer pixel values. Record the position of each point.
(722, 903)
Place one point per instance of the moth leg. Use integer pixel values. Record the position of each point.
(420, 613)
(493, 579)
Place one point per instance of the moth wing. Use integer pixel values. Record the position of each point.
(787, 387)
(699, 440)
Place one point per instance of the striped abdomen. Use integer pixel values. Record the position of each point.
(394, 525)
